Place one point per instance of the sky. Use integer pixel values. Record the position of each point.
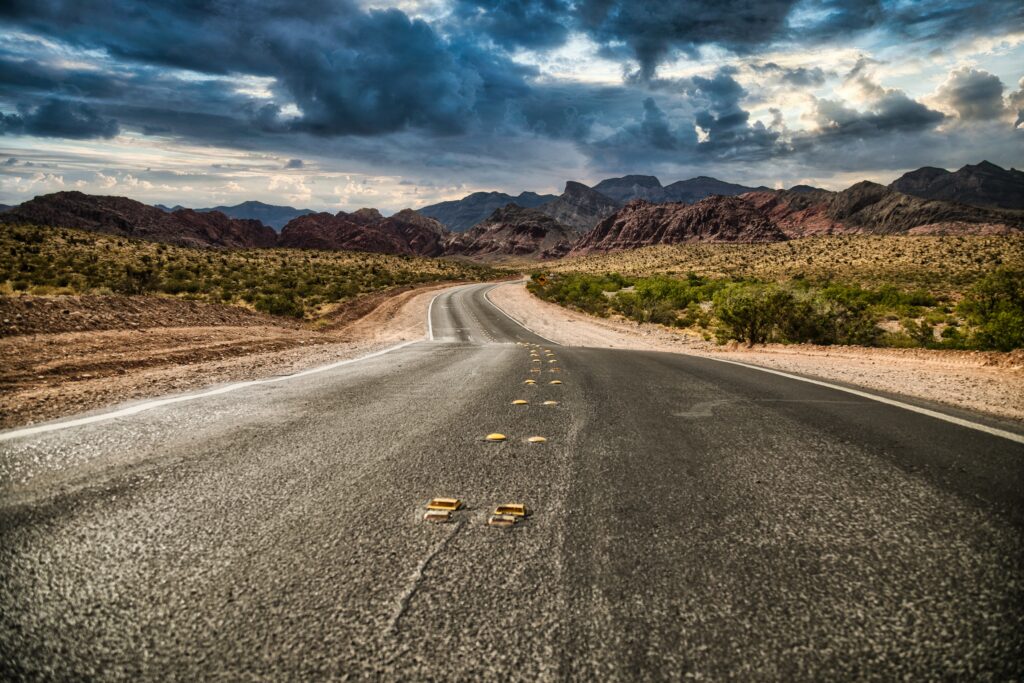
(339, 104)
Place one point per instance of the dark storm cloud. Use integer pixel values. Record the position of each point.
(651, 30)
(533, 24)
(294, 163)
(975, 95)
(58, 118)
(349, 71)
(893, 112)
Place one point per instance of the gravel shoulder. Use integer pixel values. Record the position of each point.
(95, 359)
(987, 382)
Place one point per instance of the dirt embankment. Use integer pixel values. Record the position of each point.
(65, 355)
(988, 382)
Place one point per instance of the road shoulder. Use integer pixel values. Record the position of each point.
(985, 382)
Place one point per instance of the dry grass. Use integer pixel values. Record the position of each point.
(938, 264)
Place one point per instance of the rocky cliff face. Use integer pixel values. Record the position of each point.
(579, 207)
(872, 208)
(129, 218)
(983, 184)
(513, 231)
(406, 232)
(715, 219)
(630, 187)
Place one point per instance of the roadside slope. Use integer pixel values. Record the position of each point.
(99, 362)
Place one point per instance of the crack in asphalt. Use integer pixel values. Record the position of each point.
(417, 578)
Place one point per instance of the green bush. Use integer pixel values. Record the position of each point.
(994, 306)
(751, 312)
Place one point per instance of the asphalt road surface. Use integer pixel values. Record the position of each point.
(690, 519)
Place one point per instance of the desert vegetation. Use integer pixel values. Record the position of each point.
(938, 264)
(936, 292)
(287, 282)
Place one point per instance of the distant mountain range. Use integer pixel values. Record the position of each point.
(983, 184)
(129, 218)
(460, 215)
(275, 216)
(580, 206)
(617, 213)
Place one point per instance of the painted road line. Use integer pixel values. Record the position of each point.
(516, 321)
(993, 431)
(157, 403)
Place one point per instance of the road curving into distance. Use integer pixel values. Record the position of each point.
(688, 518)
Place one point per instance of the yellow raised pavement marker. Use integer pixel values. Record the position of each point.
(444, 504)
(520, 402)
(437, 516)
(530, 381)
(514, 509)
(550, 403)
(502, 521)
(537, 439)
(553, 360)
(495, 437)
(555, 381)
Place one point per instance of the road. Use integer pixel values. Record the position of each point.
(690, 519)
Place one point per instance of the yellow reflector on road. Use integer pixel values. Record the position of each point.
(530, 381)
(519, 402)
(555, 381)
(437, 516)
(550, 403)
(444, 504)
(502, 521)
(536, 439)
(514, 509)
(495, 437)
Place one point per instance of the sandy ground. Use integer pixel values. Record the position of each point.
(987, 382)
(44, 376)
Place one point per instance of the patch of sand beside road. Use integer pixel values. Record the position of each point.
(987, 382)
(46, 376)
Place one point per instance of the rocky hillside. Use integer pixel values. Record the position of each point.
(579, 207)
(513, 231)
(407, 232)
(460, 215)
(983, 184)
(129, 218)
(715, 219)
(872, 208)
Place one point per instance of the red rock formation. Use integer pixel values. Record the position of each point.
(129, 218)
(715, 219)
(407, 232)
(513, 231)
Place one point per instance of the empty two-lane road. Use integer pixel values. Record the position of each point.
(690, 518)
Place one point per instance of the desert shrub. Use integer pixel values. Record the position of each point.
(751, 312)
(994, 306)
(280, 304)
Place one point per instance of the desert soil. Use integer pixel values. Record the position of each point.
(67, 355)
(988, 382)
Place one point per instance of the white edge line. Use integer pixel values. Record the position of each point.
(881, 399)
(515, 320)
(430, 317)
(149, 405)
